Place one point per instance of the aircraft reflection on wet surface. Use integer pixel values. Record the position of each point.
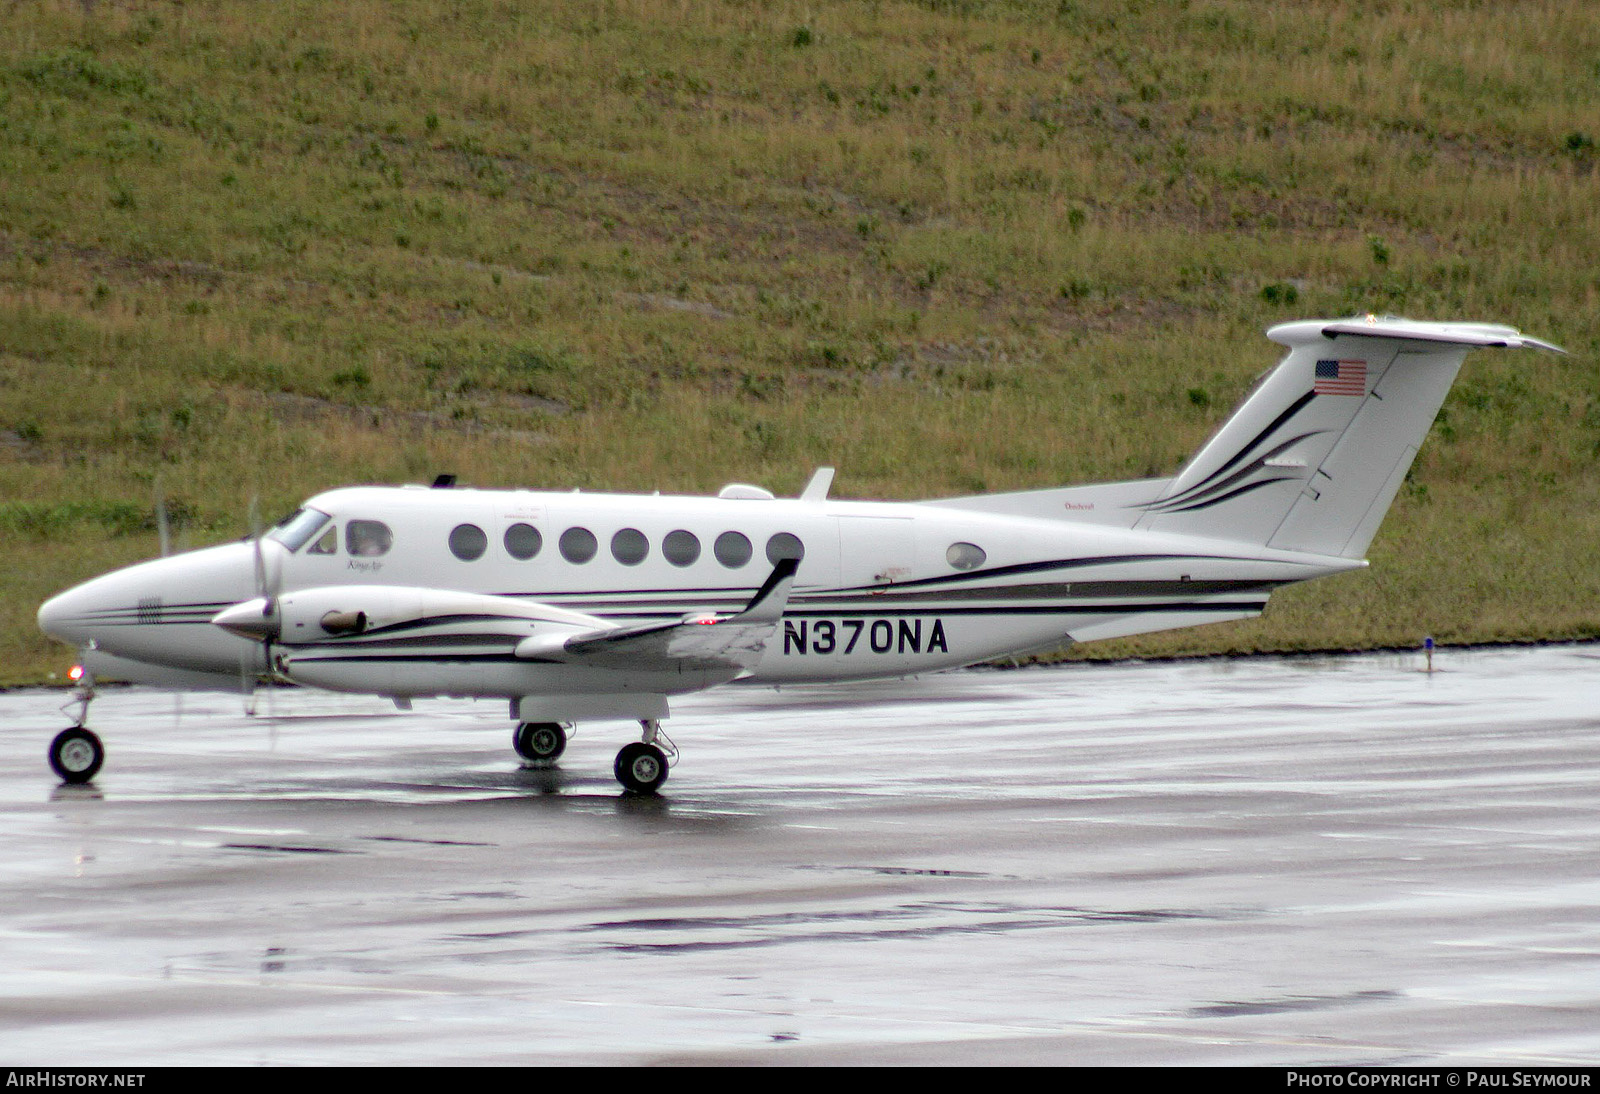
(1321, 860)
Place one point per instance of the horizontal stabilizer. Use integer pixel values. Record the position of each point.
(1488, 335)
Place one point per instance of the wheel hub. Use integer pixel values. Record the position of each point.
(77, 756)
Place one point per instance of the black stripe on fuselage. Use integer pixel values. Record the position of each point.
(195, 605)
(883, 600)
(1045, 567)
(115, 616)
(447, 620)
(430, 658)
(197, 621)
(696, 598)
(741, 596)
(1086, 609)
(1056, 591)
(349, 655)
(355, 642)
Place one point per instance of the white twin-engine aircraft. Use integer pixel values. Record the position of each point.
(577, 606)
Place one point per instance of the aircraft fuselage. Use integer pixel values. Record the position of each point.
(883, 589)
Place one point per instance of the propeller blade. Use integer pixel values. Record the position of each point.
(264, 626)
(247, 681)
(163, 524)
(255, 539)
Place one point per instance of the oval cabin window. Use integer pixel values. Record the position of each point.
(578, 545)
(732, 550)
(965, 556)
(468, 542)
(523, 541)
(785, 545)
(681, 548)
(629, 547)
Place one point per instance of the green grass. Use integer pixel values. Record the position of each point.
(947, 246)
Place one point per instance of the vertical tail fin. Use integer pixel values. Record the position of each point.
(1313, 458)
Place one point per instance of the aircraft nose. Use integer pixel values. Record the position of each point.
(62, 617)
(156, 610)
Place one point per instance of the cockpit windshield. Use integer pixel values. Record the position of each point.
(294, 530)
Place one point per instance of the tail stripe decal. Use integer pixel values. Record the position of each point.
(1198, 505)
(1299, 405)
(1201, 490)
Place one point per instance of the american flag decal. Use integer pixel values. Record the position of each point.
(1341, 378)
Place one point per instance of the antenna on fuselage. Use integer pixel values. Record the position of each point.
(817, 488)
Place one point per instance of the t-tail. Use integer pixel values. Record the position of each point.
(1316, 453)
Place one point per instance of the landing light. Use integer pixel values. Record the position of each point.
(75, 673)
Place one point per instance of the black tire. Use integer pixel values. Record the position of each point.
(539, 742)
(76, 755)
(641, 768)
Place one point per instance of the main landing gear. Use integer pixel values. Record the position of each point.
(641, 767)
(77, 753)
(541, 743)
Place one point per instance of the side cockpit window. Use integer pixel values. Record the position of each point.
(327, 543)
(367, 538)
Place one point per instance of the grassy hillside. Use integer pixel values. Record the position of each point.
(947, 246)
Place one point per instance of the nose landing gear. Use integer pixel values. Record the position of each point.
(77, 753)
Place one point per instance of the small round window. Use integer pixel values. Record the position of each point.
(965, 556)
(629, 547)
(467, 542)
(523, 541)
(578, 545)
(681, 548)
(732, 550)
(784, 545)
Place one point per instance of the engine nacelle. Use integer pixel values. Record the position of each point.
(330, 613)
(336, 613)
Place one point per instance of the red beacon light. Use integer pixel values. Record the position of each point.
(75, 673)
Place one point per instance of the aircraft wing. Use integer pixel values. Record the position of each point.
(703, 642)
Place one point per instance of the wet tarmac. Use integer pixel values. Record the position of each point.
(1335, 861)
